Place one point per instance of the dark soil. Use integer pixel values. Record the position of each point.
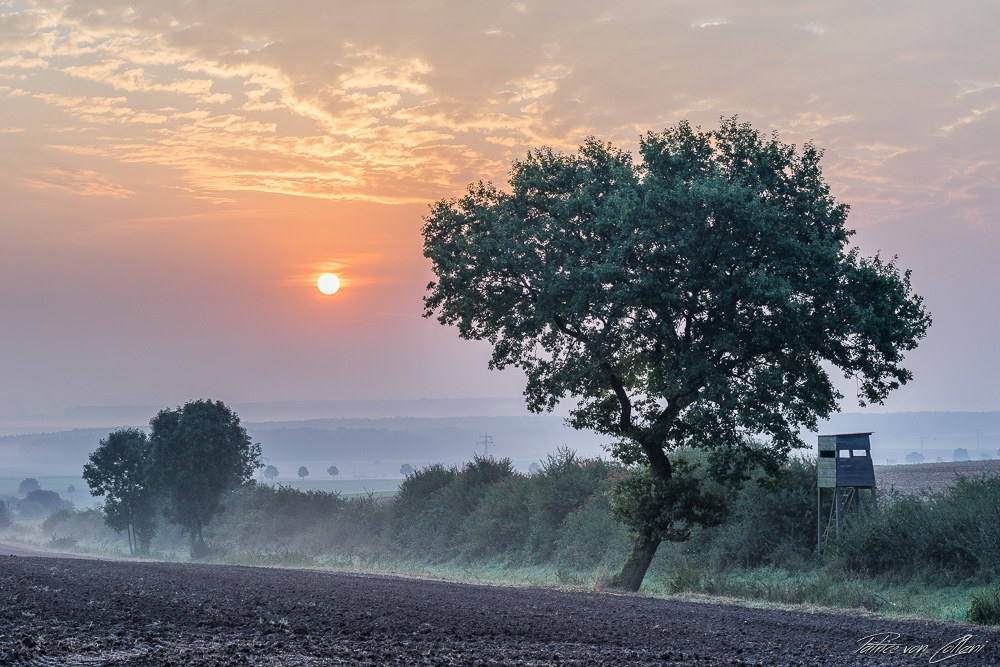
(60, 611)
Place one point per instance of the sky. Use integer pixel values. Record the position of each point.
(174, 176)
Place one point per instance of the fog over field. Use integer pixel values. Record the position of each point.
(371, 439)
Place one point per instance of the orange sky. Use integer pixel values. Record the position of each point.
(174, 175)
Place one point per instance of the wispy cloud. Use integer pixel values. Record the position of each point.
(78, 181)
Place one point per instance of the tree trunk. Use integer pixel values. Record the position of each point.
(634, 571)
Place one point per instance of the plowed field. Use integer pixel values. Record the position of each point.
(63, 611)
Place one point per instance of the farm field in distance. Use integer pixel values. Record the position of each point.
(917, 477)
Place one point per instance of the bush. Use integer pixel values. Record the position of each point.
(562, 485)
(590, 537)
(5, 518)
(498, 526)
(80, 525)
(985, 607)
(950, 535)
(772, 521)
(434, 503)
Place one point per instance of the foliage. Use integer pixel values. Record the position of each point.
(562, 484)
(117, 471)
(960, 454)
(271, 472)
(696, 300)
(5, 518)
(590, 537)
(303, 472)
(41, 502)
(27, 485)
(914, 457)
(197, 453)
(669, 509)
(985, 607)
(333, 471)
(949, 535)
(772, 521)
(498, 525)
(405, 469)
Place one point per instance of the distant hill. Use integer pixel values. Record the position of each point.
(352, 443)
(355, 442)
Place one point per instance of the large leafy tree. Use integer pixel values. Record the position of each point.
(117, 471)
(697, 299)
(196, 454)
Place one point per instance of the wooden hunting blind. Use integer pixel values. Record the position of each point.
(845, 479)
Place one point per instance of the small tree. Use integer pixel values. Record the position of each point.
(534, 468)
(961, 454)
(405, 469)
(4, 515)
(117, 471)
(27, 485)
(197, 453)
(271, 472)
(71, 489)
(303, 472)
(914, 457)
(333, 471)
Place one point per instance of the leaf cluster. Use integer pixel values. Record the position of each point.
(696, 298)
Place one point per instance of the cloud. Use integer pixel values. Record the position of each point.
(710, 23)
(77, 181)
(386, 102)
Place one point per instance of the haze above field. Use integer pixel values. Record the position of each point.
(371, 439)
(175, 176)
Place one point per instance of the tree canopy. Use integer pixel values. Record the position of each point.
(117, 471)
(196, 453)
(696, 299)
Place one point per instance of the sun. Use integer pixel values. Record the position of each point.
(328, 283)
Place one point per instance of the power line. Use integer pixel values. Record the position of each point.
(486, 441)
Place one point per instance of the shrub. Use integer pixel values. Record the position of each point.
(86, 525)
(985, 607)
(590, 537)
(5, 518)
(772, 521)
(563, 484)
(951, 535)
(499, 523)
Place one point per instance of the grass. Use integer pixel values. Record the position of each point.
(806, 589)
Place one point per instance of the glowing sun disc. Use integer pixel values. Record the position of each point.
(328, 283)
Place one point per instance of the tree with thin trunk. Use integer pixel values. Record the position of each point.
(117, 471)
(695, 301)
(196, 454)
